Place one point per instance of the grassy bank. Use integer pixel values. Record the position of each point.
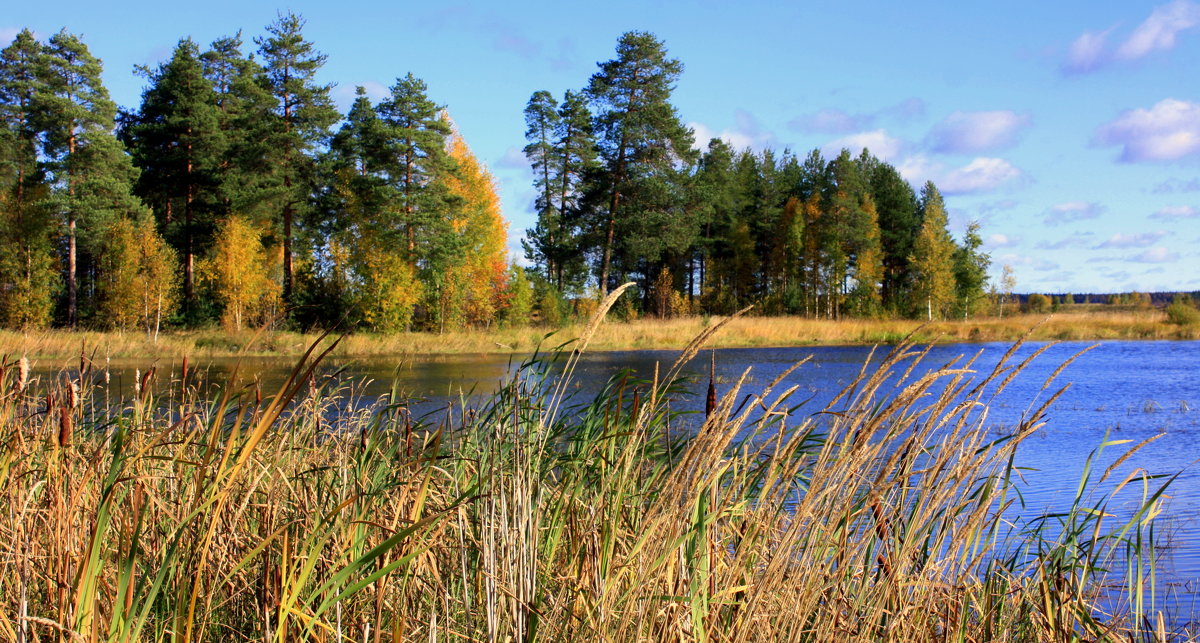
(893, 514)
(640, 334)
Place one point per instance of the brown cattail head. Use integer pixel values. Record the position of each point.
(22, 373)
(144, 389)
(183, 375)
(72, 389)
(64, 426)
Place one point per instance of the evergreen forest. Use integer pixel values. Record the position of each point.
(237, 194)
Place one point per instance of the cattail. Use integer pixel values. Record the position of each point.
(107, 374)
(22, 373)
(137, 381)
(72, 394)
(64, 426)
(183, 375)
(145, 387)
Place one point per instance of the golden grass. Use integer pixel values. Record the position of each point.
(884, 517)
(640, 334)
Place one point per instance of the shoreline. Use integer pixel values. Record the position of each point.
(644, 334)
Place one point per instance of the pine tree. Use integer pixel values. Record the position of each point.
(714, 190)
(417, 137)
(562, 151)
(248, 180)
(76, 117)
(899, 223)
(176, 141)
(27, 276)
(305, 114)
(645, 147)
(542, 123)
(932, 260)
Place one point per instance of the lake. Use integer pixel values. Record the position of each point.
(1128, 390)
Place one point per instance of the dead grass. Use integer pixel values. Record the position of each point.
(886, 516)
(640, 334)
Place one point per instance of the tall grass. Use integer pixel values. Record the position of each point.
(1076, 323)
(890, 514)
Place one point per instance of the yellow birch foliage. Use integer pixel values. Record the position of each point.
(240, 270)
(868, 269)
(387, 289)
(138, 276)
(28, 274)
(476, 286)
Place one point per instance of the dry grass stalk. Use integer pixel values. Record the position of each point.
(887, 515)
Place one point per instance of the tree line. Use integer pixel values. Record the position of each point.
(623, 194)
(236, 192)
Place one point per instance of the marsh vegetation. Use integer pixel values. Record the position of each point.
(892, 513)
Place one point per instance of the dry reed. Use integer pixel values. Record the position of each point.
(891, 514)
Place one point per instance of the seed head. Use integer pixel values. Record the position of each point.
(22, 373)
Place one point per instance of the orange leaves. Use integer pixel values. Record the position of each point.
(476, 283)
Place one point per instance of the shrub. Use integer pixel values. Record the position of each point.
(1183, 312)
(1037, 303)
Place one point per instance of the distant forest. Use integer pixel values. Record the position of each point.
(236, 193)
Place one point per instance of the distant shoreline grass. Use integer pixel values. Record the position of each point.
(642, 334)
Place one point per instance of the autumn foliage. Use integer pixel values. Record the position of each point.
(476, 286)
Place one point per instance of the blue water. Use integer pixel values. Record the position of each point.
(1125, 390)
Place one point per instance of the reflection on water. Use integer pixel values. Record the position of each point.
(1128, 390)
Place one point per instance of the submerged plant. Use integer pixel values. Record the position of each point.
(890, 514)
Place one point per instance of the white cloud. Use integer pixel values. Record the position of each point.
(980, 175)
(1170, 130)
(513, 159)
(1077, 240)
(747, 133)
(1073, 211)
(878, 142)
(839, 121)
(1175, 212)
(918, 168)
(1158, 32)
(1086, 52)
(999, 240)
(1143, 240)
(971, 132)
(1157, 254)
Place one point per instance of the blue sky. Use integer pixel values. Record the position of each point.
(1070, 130)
